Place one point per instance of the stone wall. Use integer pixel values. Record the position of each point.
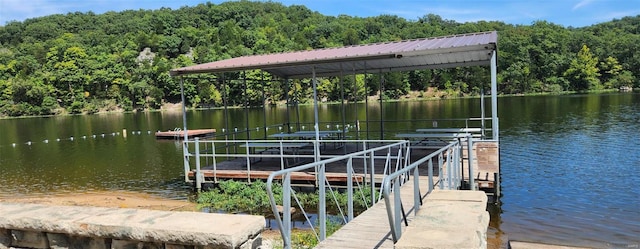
(42, 226)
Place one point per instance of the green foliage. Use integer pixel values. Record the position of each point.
(241, 197)
(61, 57)
(236, 197)
(76, 107)
(583, 71)
(308, 239)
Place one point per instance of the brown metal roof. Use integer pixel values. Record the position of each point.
(439, 52)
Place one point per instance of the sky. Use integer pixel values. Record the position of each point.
(574, 13)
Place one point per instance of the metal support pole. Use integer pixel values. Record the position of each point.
(494, 96)
(381, 107)
(440, 167)
(286, 210)
(397, 207)
(417, 198)
(355, 100)
(198, 175)
(350, 189)
(297, 112)
(482, 113)
(430, 172)
(372, 183)
(226, 114)
(264, 106)
(472, 185)
(246, 104)
(366, 104)
(343, 109)
(185, 145)
(451, 164)
(315, 115)
(287, 97)
(322, 205)
(184, 109)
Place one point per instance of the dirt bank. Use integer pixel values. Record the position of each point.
(116, 199)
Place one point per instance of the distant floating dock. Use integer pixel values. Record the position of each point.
(179, 134)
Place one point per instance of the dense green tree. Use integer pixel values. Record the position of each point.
(87, 62)
(583, 71)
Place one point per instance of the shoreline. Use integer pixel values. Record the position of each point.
(177, 107)
(112, 199)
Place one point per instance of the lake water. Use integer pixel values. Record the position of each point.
(570, 164)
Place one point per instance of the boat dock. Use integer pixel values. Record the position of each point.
(453, 153)
(257, 165)
(179, 134)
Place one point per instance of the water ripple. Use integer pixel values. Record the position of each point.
(571, 181)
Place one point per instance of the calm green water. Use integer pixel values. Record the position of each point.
(570, 164)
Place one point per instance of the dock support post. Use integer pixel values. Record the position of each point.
(198, 172)
(440, 166)
(350, 189)
(381, 105)
(472, 184)
(417, 196)
(185, 148)
(399, 212)
(430, 165)
(494, 96)
(322, 205)
(372, 178)
(286, 210)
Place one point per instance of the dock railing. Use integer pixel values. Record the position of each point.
(449, 161)
(380, 156)
(213, 151)
(208, 154)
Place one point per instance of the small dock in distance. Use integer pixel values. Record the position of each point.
(179, 134)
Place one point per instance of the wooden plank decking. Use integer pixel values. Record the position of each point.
(263, 175)
(180, 134)
(371, 229)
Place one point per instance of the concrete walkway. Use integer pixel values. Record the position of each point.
(447, 219)
(371, 228)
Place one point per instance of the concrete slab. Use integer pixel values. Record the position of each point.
(448, 219)
(188, 228)
(419, 238)
(457, 195)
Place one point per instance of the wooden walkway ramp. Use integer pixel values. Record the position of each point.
(371, 228)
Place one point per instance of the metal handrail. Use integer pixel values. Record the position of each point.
(452, 180)
(195, 150)
(284, 221)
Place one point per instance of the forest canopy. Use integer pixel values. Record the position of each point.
(87, 62)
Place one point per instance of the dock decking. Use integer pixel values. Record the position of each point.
(263, 175)
(371, 228)
(179, 134)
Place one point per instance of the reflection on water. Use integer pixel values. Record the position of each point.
(569, 171)
(570, 164)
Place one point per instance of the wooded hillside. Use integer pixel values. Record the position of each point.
(85, 62)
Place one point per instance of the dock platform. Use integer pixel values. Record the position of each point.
(296, 177)
(236, 168)
(179, 134)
